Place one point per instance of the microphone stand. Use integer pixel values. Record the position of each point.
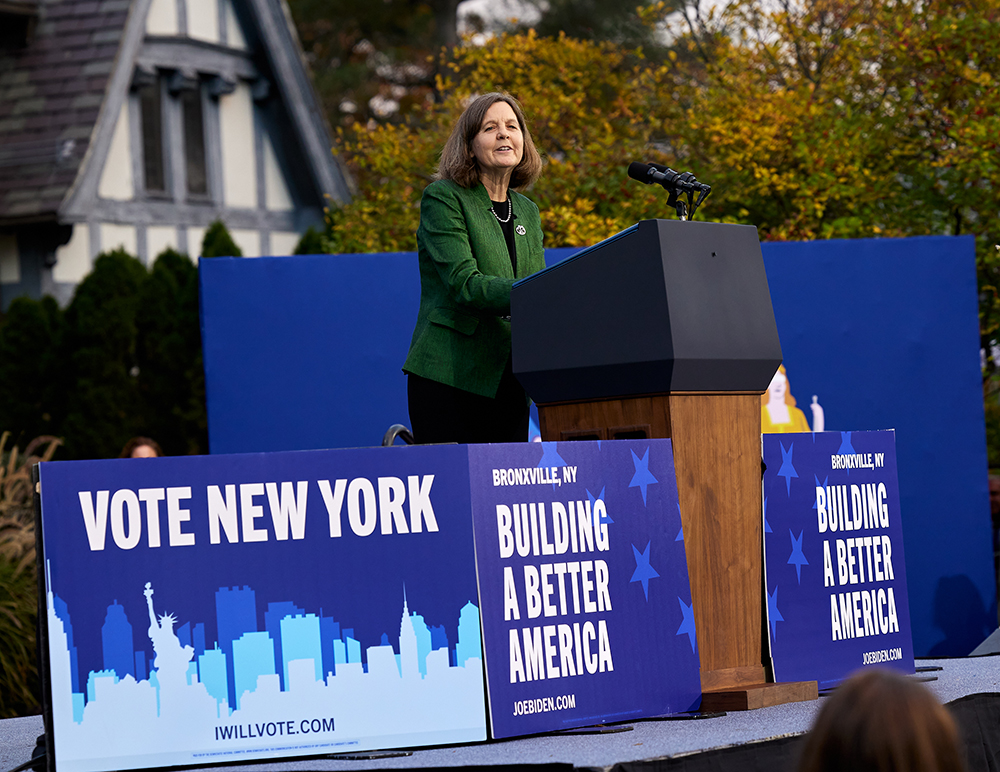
(679, 204)
(680, 185)
(676, 184)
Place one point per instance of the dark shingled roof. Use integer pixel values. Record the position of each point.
(50, 96)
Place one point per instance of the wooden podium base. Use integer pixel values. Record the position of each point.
(716, 445)
(758, 696)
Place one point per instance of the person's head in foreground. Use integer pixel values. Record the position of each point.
(141, 447)
(882, 721)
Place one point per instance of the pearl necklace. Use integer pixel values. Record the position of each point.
(510, 211)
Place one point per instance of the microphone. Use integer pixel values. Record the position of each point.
(662, 175)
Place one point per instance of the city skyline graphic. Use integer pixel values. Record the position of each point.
(195, 618)
(303, 684)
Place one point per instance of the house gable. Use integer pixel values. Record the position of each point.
(51, 91)
(205, 112)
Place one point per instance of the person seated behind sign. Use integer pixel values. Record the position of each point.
(778, 412)
(141, 447)
(880, 720)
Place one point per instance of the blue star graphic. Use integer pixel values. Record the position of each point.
(642, 476)
(825, 481)
(767, 526)
(550, 456)
(680, 533)
(643, 571)
(797, 558)
(687, 625)
(846, 448)
(605, 518)
(773, 614)
(787, 470)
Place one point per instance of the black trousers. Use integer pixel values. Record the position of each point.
(441, 413)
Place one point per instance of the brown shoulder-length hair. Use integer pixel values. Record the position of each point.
(881, 721)
(458, 164)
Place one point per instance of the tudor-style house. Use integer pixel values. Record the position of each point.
(137, 123)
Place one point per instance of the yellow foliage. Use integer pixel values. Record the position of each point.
(588, 107)
(823, 119)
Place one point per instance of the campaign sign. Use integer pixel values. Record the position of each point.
(215, 609)
(583, 581)
(833, 540)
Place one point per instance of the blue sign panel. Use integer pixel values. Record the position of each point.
(836, 574)
(587, 614)
(214, 609)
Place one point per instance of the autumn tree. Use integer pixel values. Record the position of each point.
(838, 118)
(587, 104)
(811, 120)
(849, 118)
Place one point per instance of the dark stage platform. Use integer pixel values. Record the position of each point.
(767, 739)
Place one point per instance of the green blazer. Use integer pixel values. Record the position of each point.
(460, 338)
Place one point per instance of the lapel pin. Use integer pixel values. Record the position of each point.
(520, 230)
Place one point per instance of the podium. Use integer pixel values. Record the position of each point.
(666, 330)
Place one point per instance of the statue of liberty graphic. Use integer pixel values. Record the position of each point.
(171, 661)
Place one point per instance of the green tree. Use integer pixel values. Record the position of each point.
(123, 360)
(218, 242)
(31, 378)
(104, 407)
(311, 243)
(171, 378)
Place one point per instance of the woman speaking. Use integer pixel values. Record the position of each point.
(476, 237)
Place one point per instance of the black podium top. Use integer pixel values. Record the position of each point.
(664, 306)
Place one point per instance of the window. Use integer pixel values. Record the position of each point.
(17, 26)
(173, 131)
(194, 142)
(151, 109)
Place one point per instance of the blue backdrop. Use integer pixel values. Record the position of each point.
(886, 333)
(305, 352)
